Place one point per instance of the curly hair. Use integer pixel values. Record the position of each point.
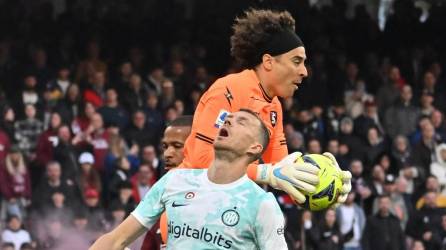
(253, 31)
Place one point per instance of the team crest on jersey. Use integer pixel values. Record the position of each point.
(230, 217)
(273, 117)
(221, 118)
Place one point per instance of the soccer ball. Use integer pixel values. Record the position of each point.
(330, 183)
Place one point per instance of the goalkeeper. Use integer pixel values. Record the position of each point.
(273, 57)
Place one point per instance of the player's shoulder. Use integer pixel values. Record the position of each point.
(186, 172)
(179, 174)
(242, 81)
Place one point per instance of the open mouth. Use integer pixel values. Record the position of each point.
(223, 132)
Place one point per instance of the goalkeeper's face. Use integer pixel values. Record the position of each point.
(287, 72)
(239, 135)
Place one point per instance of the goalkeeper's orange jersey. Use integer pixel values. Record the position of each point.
(230, 94)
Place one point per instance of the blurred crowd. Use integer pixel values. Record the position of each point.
(87, 88)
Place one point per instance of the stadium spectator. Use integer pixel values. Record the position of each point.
(88, 177)
(5, 144)
(383, 230)
(389, 92)
(8, 121)
(81, 123)
(95, 92)
(398, 204)
(27, 131)
(53, 182)
(138, 132)
(70, 107)
(142, 181)
(59, 86)
(65, 154)
(329, 236)
(121, 174)
(118, 148)
(122, 79)
(431, 185)
(134, 95)
(92, 63)
(95, 213)
(112, 112)
(15, 184)
(402, 117)
(28, 95)
(351, 219)
(438, 167)
(427, 220)
(14, 232)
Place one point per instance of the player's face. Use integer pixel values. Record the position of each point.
(288, 72)
(173, 145)
(238, 134)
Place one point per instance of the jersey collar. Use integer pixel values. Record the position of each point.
(253, 76)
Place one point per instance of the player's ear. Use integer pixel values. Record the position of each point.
(267, 62)
(255, 149)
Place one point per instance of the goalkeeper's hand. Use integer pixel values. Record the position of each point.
(346, 177)
(289, 176)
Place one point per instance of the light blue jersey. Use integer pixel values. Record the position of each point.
(205, 215)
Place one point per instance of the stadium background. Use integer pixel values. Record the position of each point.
(375, 98)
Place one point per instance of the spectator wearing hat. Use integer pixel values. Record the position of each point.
(15, 184)
(14, 232)
(88, 176)
(95, 213)
(398, 207)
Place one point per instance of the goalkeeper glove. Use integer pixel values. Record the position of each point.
(346, 178)
(289, 176)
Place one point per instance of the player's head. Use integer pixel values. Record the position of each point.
(265, 40)
(242, 135)
(173, 140)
